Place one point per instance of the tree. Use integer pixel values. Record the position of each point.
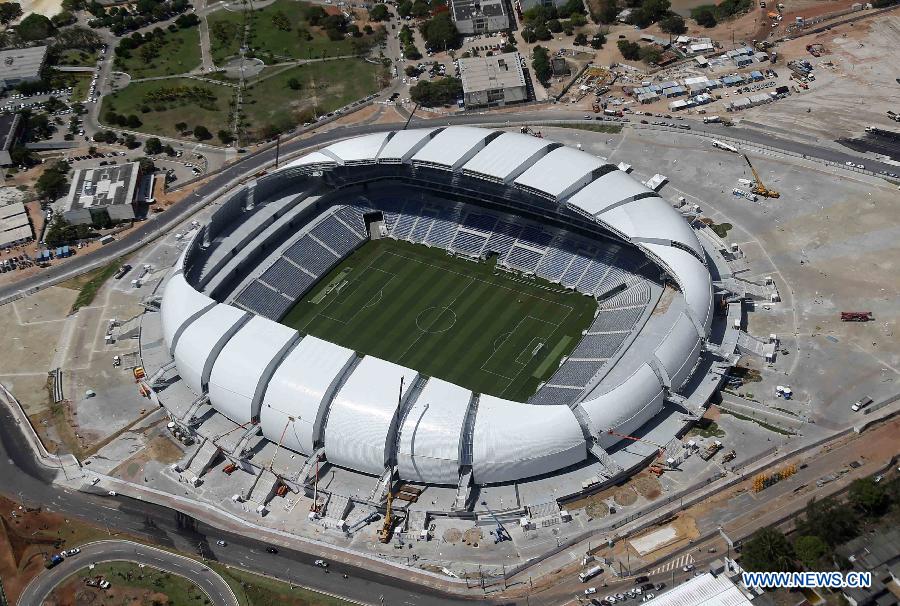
(420, 8)
(294, 84)
(181, 126)
(580, 40)
(379, 12)
(554, 26)
(768, 550)
(10, 11)
(404, 9)
(133, 121)
(705, 15)
(314, 14)
(598, 40)
(810, 550)
(202, 133)
(673, 24)
(608, 12)
(630, 50)
(440, 92)
(152, 146)
(868, 497)
(440, 32)
(540, 62)
(35, 27)
(833, 522)
(528, 35)
(650, 54)
(225, 137)
(53, 183)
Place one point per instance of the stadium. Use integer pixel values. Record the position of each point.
(451, 307)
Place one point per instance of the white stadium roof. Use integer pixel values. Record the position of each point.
(507, 156)
(364, 413)
(313, 393)
(560, 173)
(431, 433)
(301, 389)
(244, 365)
(452, 147)
(704, 590)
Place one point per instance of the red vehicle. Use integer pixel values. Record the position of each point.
(856, 316)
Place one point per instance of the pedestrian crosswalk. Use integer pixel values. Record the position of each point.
(675, 564)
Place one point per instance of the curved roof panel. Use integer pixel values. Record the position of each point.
(299, 392)
(507, 156)
(452, 147)
(309, 160)
(201, 341)
(678, 351)
(363, 415)
(623, 404)
(359, 149)
(244, 365)
(692, 277)
(560, 172)
(404, 144)
(180, 305)
(651, 220)
(606, 191)
(430, 435)
(513, 440)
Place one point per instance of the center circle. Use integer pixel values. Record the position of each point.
(434, 320)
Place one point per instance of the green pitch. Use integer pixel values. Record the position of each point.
(461, 321)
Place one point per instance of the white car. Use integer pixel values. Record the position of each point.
(688, 568)
(321, 563)
(104, 584)
(590, 591)
(221, 543)
(73, 551)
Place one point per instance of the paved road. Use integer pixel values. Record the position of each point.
(213, 585)
(25, 480)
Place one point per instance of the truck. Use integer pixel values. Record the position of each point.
(53, 561)
(856, 316)
(861, 403)
(710, 119)
(712, 448)
(587, 575)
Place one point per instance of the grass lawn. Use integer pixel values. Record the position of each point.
(179, 53)
(325, 86)
(77, 57)
(162, 118)
(291, 37)
(255, 590)
(88, 284)
(80, 83)
(458, 320)
(131, 585)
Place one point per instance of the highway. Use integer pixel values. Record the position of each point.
(251, 164)
(25, 480)
(213, 585)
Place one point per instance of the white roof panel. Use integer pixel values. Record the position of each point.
(703, 590)
(299, 391)
(625, 406)
(363, 414)
(652, 219)
(404, 144)
(314, 158)
(201, 342)
(453, 146)
(503, 157)
(513, 440)
(678, 350)
(560, 171)
(606, 191)
(180, 303)
(359, 148)
(240, 371)
(692, 276)
(430, 435)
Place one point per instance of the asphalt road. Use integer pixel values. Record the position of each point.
(25, 480)
(213, 585)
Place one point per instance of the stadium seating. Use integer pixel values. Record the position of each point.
(555, 263)
(468, 243)
(575, 373)
(310, 255)
(263, 300)
(523, 259)
(336, 235)
(287, 278)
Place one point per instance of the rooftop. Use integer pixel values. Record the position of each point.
(464, 10)
(21, 62)
(9, 123)
(488, 73)
(102, 186)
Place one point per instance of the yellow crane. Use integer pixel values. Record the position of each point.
(387, 529)
(760, 189)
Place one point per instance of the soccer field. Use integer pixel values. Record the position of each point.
(458, 320)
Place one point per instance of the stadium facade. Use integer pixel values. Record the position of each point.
(544, 209)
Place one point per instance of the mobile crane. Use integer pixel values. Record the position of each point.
(760, 189)
(387, 529)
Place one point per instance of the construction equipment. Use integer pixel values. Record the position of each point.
(527, 130)
(760, 188)
(857, 316)
(387, 528)
(500, 533)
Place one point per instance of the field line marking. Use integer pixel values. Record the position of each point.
(449, 306)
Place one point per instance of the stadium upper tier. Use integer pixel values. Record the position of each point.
(309, 394)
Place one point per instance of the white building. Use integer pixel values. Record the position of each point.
(19, 65)
(105, 188)
(479, 16)
(493, 81)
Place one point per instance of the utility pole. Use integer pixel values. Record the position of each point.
(277, 149)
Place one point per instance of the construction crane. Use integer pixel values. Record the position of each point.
(759, 188)
(387, 529)
(500, 534)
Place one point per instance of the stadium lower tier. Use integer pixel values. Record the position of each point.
(273, 241)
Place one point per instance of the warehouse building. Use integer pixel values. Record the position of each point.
(19, 65)
(493, 81)
(479, 16)
(15, 227)
(105, 188)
